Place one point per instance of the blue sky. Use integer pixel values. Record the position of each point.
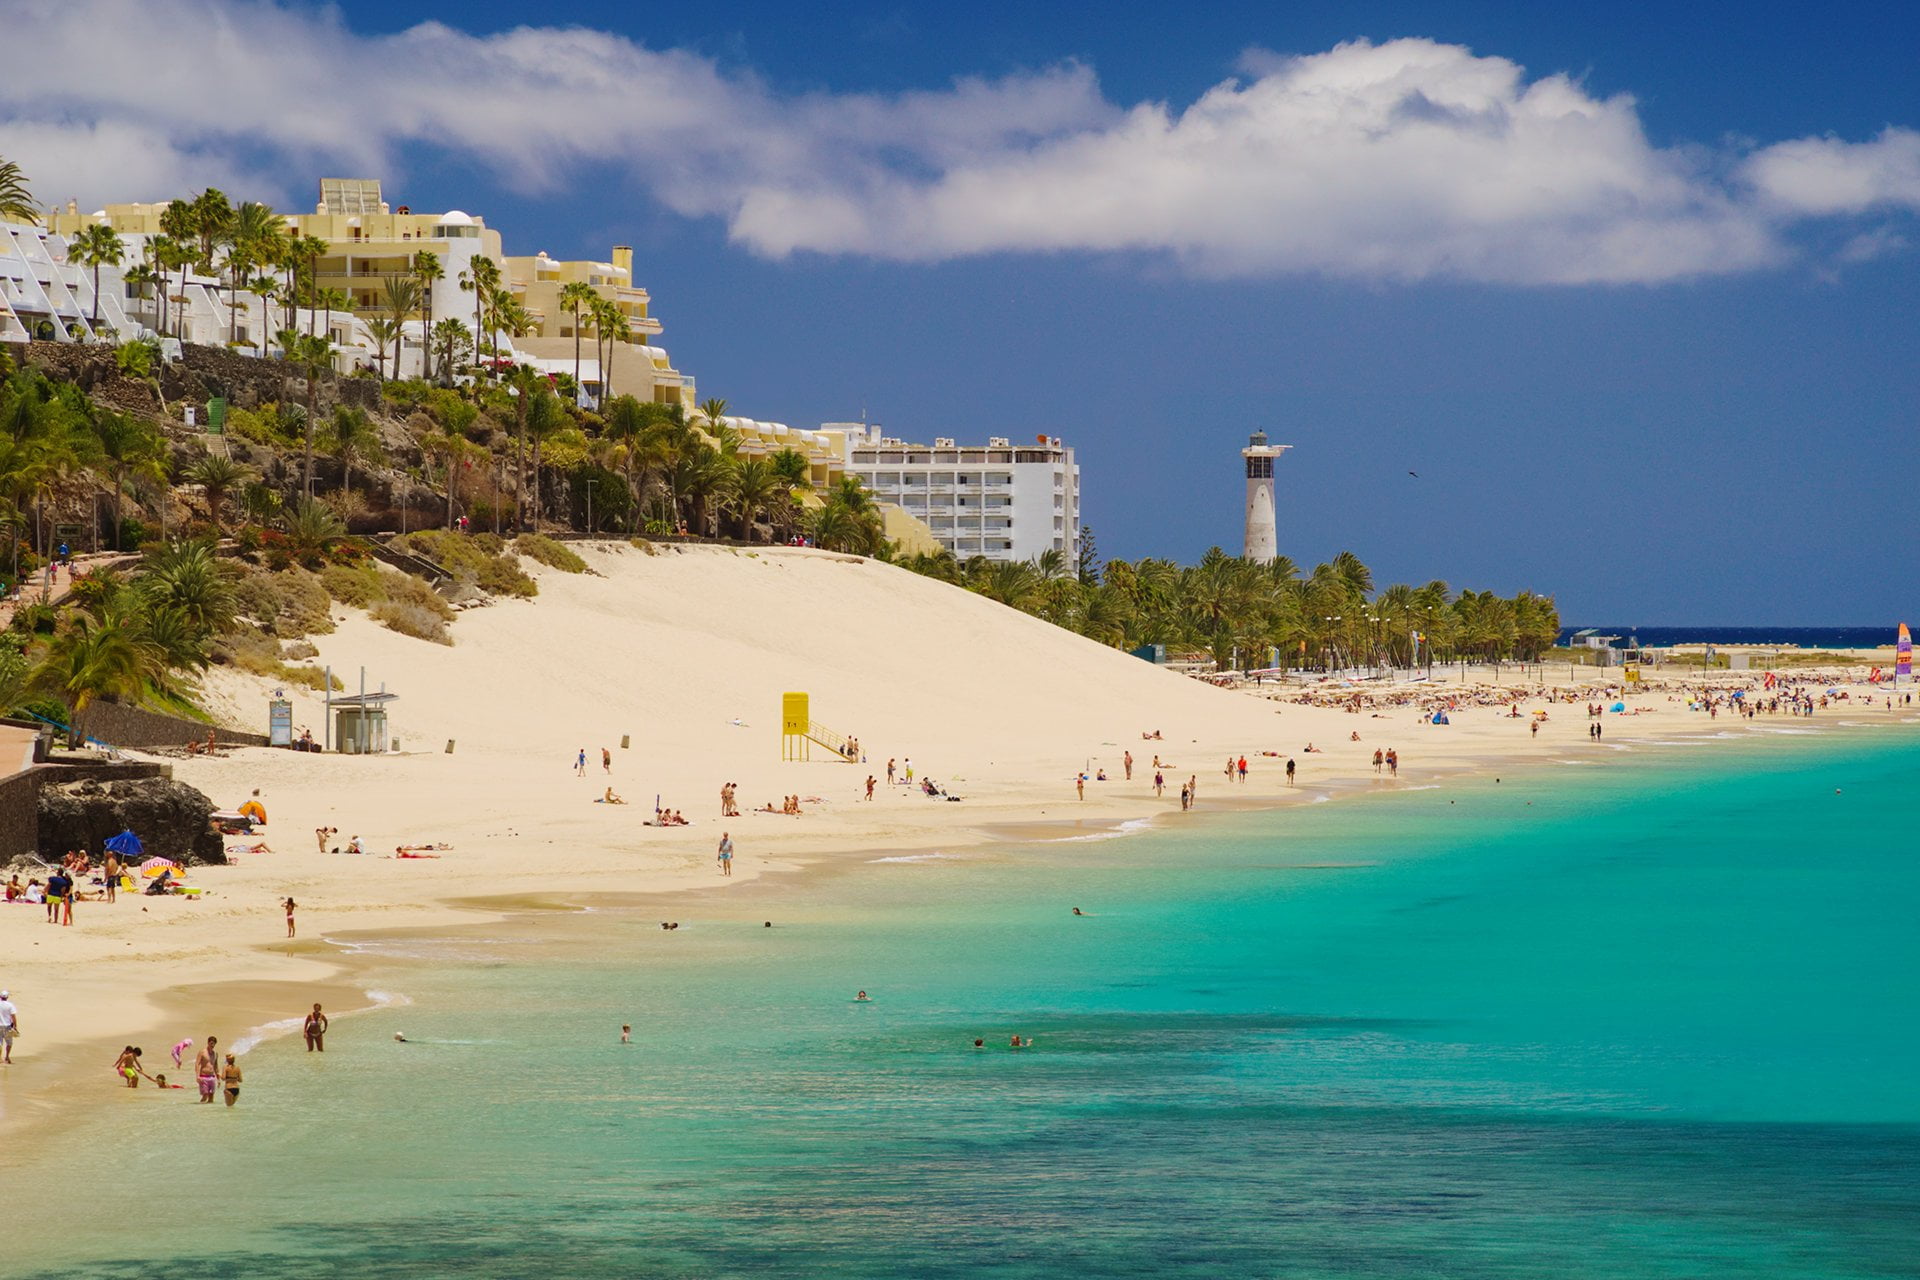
(1646, 332)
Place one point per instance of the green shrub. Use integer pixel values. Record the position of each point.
(468, 561)
(404, 588)
(248, 425)
(538, 546)
(411, 620)
(288, 603)
(356, 585)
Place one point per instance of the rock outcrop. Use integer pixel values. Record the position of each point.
(171, 818)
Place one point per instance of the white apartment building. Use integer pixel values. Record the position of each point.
(1001, 500)
(45, 295)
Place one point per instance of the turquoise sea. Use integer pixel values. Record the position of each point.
(1645, 1014)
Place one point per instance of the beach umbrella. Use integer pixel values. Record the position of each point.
(1619, 706)
(159, 866)
(126, 844)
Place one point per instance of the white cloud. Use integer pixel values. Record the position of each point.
(1827, 176)
(1399, 161)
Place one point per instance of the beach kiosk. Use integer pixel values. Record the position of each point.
(360, 722)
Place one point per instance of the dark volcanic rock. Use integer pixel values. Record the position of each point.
(169, 817)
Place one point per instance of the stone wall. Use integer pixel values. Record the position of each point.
(133, 727)
(19, 815)
(201, 374)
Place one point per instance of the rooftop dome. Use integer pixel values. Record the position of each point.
(455, 218)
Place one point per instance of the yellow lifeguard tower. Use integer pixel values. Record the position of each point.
(798, 733)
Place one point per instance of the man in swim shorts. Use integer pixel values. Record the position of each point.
(206, 1069)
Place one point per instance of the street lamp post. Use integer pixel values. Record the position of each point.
(589, 506)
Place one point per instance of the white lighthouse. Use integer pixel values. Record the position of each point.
(1262, 546)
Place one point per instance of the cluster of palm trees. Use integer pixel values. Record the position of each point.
(131, 637)
(1250, 616)
(60, 451)
(647, 467)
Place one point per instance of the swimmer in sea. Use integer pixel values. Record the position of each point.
(1077, 911)
(862, 996)
(626, 1034)
(399, 1038)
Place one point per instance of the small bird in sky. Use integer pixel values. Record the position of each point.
(1414, 474)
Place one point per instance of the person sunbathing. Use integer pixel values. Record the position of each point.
(410, 851)
(610, 798)
(257, 847)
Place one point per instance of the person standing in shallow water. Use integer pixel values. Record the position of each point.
(315, 1030)
(230, 1077)
(726, 854)
(206, 1069)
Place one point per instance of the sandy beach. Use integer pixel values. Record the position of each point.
(685, 654)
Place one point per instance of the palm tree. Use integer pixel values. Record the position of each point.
(481, 278)
(190, 577)
(265, 289)
(210, 215)
(450, 335)
(383, 330)
(91, 658)
(352, 437)
(249, 237)
(522, 382)
(426, 271)
(611, 326)
(545, 417)
(313, 531)
(793, 468)
(143, 278)
(753, 487)
(575, 295)
(712, 417)
(312, 353)
(126, 445)
(330, 301)
(16, 202)
(401, 300)
(217, 477)
(304, 251)
(97, 245)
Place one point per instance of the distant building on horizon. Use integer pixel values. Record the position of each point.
(1005, 501)
(1263, 543)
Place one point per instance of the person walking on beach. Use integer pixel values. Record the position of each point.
(1243, 768)
(580, 764)
(1127, 762)
(1186, 800)
(111, 871)
(1393, 762)
(288, 906)
(726, 854)
(1159, 783)
(870, 784)
(909, 769)
(9, 1028)
(1290, 770)
(889, 771)
(315, 1030)
(1379, 758)
(206, 1069)
(606, 760)
(1080, 785)
(231, 1078)
(1193, 790)
(58, 887)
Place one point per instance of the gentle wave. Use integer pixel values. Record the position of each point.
(1130, 827)
(918, 857)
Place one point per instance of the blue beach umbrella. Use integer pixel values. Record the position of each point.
(126, 844)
